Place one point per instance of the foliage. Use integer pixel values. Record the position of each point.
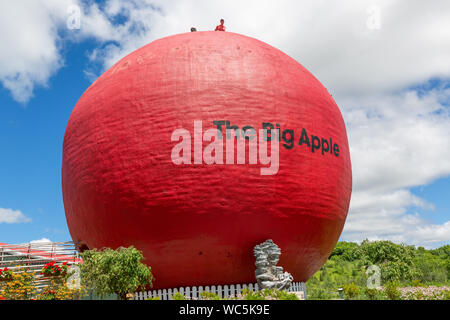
(268, 294)
(284, 295)
(391, 290)
(334, 274)
(252, 295)
(398, 262)
(178, 296)
(58, 290)
(442, 251)
(118, 271)
(446, 295)
(345, 251)
(20, 285)
(395, 261)
(433, 265)
(209, 296)
(317, 292)
(372, 294)
(351, 290)
(417, 283)
(272, 294)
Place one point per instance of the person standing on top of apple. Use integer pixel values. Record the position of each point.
(221, 26)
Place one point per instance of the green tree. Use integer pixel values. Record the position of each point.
(395, 261)
(345, 251)
(118, 271)
(432, 267)
(442, 251)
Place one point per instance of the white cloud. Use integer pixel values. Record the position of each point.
(33, 34)
(10, 216)
(41, 241)
(29, 54)
(399, 228)
(397, 141)
(399, 138)
(330, 38)
(431, 234)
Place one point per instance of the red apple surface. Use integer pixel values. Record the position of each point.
(197, 223)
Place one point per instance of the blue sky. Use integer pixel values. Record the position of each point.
(394, 96)
(31, 136)
(437, 193)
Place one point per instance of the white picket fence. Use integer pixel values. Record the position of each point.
(194, 293)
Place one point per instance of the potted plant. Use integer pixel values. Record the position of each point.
(5, 275)
(51, 269)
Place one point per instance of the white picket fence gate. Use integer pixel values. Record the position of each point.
(194, 293)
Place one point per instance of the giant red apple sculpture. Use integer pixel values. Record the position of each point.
(135, 173)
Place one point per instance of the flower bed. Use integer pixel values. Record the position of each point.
(19, 287)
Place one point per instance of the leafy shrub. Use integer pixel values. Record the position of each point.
(391, 290)
(118, 271)
(269, 294)
(395, 261)
(372, 294)
(253, 295)
(209, 296)
(351, 290)
(345, 251)
(315, 293)
(178, 296)
(446, 295)
(284, 295)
